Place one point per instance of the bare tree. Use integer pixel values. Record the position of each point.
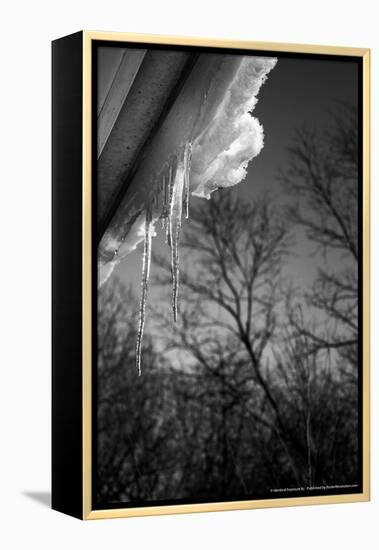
(274, 366)
(324, 172)
(323, 325)
(232, 303)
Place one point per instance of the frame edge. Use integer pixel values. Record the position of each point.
(364, 496)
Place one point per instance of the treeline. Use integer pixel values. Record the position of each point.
(256, 386)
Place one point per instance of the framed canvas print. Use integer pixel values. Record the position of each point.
(210, 275)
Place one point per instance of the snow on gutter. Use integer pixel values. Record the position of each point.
(205, 143)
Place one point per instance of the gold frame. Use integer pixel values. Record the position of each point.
(364, 53)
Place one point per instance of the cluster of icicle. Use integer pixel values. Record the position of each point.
(175, 197)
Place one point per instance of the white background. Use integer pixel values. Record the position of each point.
(27, 29)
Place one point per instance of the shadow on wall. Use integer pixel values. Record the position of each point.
(41, 497)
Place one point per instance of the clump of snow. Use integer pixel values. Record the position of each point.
(222, 151)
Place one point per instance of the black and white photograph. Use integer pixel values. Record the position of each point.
(227, 269)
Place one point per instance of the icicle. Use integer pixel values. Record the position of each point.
(146, 259)
(187, 168)
(171, 183)
(164, 203)
(175, 194)
(175, 222)
(167, 184)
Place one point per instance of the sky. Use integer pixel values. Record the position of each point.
(297, 92)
